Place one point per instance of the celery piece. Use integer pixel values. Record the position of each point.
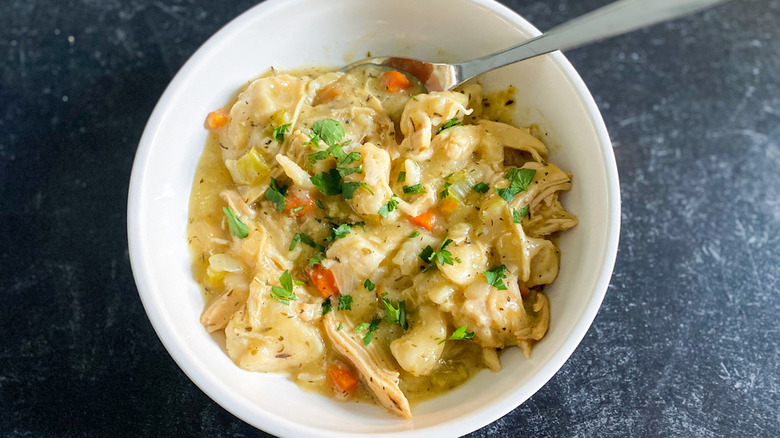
(250, 168)
(460, 186)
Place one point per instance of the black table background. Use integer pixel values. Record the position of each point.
(685, 344)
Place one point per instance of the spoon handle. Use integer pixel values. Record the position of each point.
(616, 18)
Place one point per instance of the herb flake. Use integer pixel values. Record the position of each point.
(276, 194)
(495, 277)
(459, 334)
(237, 228)
(284, 294)
(450, 123)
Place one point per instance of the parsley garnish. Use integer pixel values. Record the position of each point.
(348, 189)
(387, 208)
(318, 203)
(237, 228)
(276, 194)
(314, 141)
(445, 190)
(450, 123)
(348, 159)
(495, 277)
(458, 334)
(285, 293)
(518, 182)
(339, 232)
(401, 176)
(300, 237)
(345, 302)
(329, 130)
(371, 329)
(316, 260)
(481, 187)
(413, 190)
(279, 132)
(414, 234)
(368, 284)
(516, 215)
(360, 327)
(341, 326)
(329, 183)
(525, 211)
(442, 256)
(344, 171)
(327, 307)
(396, 315)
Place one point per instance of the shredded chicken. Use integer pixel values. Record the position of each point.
(372, 364)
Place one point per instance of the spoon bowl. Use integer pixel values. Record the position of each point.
(616, 18)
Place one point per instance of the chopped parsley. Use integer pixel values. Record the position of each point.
(459, 334)
(369, 285)
(284, 294)
(525, 211)
(396, 315)
(314, 141)
(387, 208)
(341, 326)
(414, 234)
(516, 216)
(450, 123)
(301, 237)
(518, 182)
(442, 256)
(371, 329)
(318, 203)
(339, 232)
(361, 327)
(481, 187)
(316, 260)
(327, 307)
(328, 183)
(401, 176)
(413, 190)
(348, 189)
(279, 131)
(237, 228)
(344, 171)
(445, 190)
(276, 194)
(495, 277)
(348, 159)
(345, 302)
(329, 130)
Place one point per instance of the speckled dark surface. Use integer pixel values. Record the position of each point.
(686, 343)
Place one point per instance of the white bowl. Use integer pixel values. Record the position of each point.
(295, 33)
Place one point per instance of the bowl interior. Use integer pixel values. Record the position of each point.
(299, 33)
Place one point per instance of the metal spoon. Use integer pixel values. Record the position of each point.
(614, 19)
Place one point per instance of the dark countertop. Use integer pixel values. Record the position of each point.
(686, 342)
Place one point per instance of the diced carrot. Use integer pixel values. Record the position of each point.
(524, 291)
(216, 119)
(422, 70)
(299, 203)
(448, 205)
(342, 379)
(425, 220)
(395, 81)
(324, 280)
